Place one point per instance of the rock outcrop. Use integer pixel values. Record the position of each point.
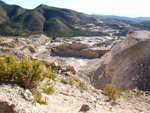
(28, 95)
(126, 65)
(44, 54)
(32, 49)
(79, 50)
(11, 100)
(16, 53)
(2, 39)
(6, 45)
(38, 39)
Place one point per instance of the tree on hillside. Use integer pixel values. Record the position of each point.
(54, 38)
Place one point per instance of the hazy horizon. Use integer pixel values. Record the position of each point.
(126, 8)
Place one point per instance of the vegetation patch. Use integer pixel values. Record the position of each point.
(82, 85)
(70, 80)
(138, 92)
(111, 92)
(38, 98)
(128, 93)
(49, 88)
(77, 79)
(26, 72)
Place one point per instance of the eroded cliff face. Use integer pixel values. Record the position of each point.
(127, 64)
(80, 50)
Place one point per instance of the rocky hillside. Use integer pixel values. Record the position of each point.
(80, 50)
(126, 65)
(52, 21)
(9, 11)
(72, 89)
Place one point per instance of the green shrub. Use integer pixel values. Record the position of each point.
(82, 85)
(70, 80)
(49, 88)
(49, 74)
(93, 90)
(16, 39)
(54, 38)
(76, 79)
(26, 72)
(38, 98)
(128, 93)
(111, 92)
(8, 67)
(120, 93)
(138, 92)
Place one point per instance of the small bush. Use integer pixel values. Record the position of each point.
(120, 93)
(26, 72)
(16, 39)
(138, 92)
(70, 80)
(54, 38)
(49, 88)
(93, 90)
(111, 92)
(76, 79)
(49, 74)
(40, 100)
(51, 65)
(128, 93)
(8, 67)
(82, 85)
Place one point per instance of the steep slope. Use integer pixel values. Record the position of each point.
(9, 11)
(126, 65)
(31, 20)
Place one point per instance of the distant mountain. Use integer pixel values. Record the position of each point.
(146, 24)
(8, 12)
(137, 19)
(43, 19)
(52, 21)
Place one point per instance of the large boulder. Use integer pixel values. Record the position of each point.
(71, 69)
(87, 109)
(28, 95)
(32, 49)
(126, 65)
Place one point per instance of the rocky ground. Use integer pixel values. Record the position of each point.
(68, 98)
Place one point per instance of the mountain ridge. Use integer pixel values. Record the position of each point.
(61, 22)
(52, 21)
(134, 19)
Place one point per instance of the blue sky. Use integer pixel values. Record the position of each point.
(130, 8)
